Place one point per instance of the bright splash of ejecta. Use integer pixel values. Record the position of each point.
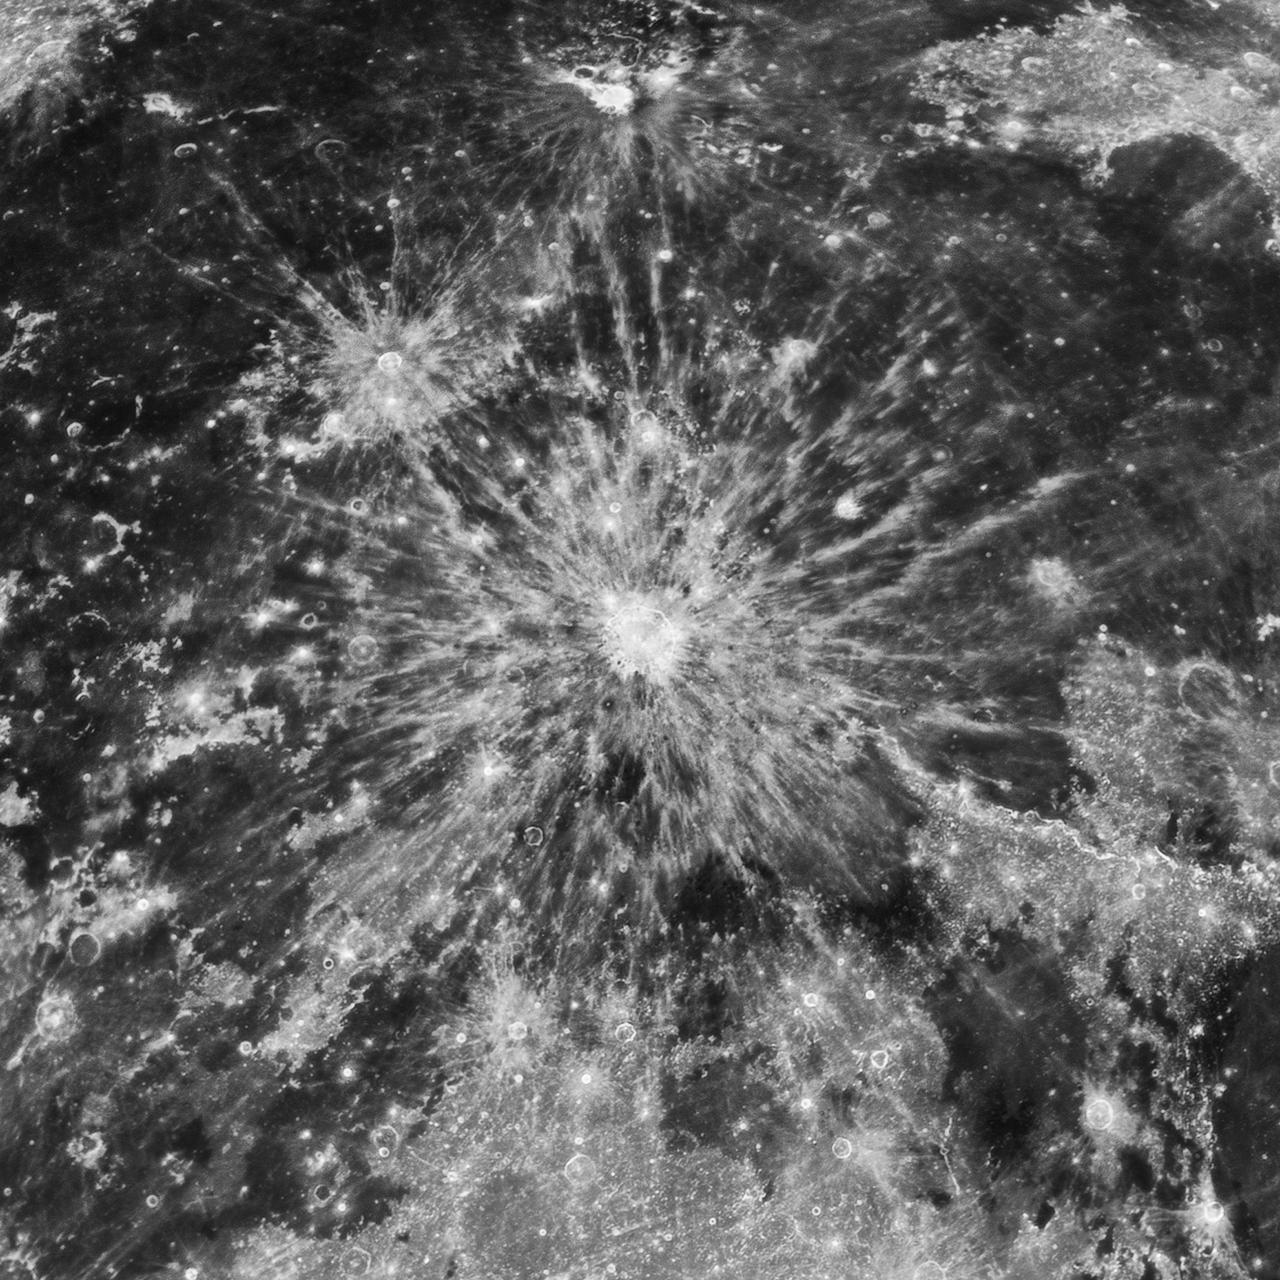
(624, 628)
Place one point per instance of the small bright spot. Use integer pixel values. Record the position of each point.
(847, 506)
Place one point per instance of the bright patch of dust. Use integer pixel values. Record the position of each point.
(15, 810)
(161, 104)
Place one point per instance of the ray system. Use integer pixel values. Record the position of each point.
(640, 641)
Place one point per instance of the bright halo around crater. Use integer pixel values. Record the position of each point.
(640, 638)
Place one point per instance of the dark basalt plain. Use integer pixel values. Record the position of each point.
(639, 640)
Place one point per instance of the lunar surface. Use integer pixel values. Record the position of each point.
(639, 640)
